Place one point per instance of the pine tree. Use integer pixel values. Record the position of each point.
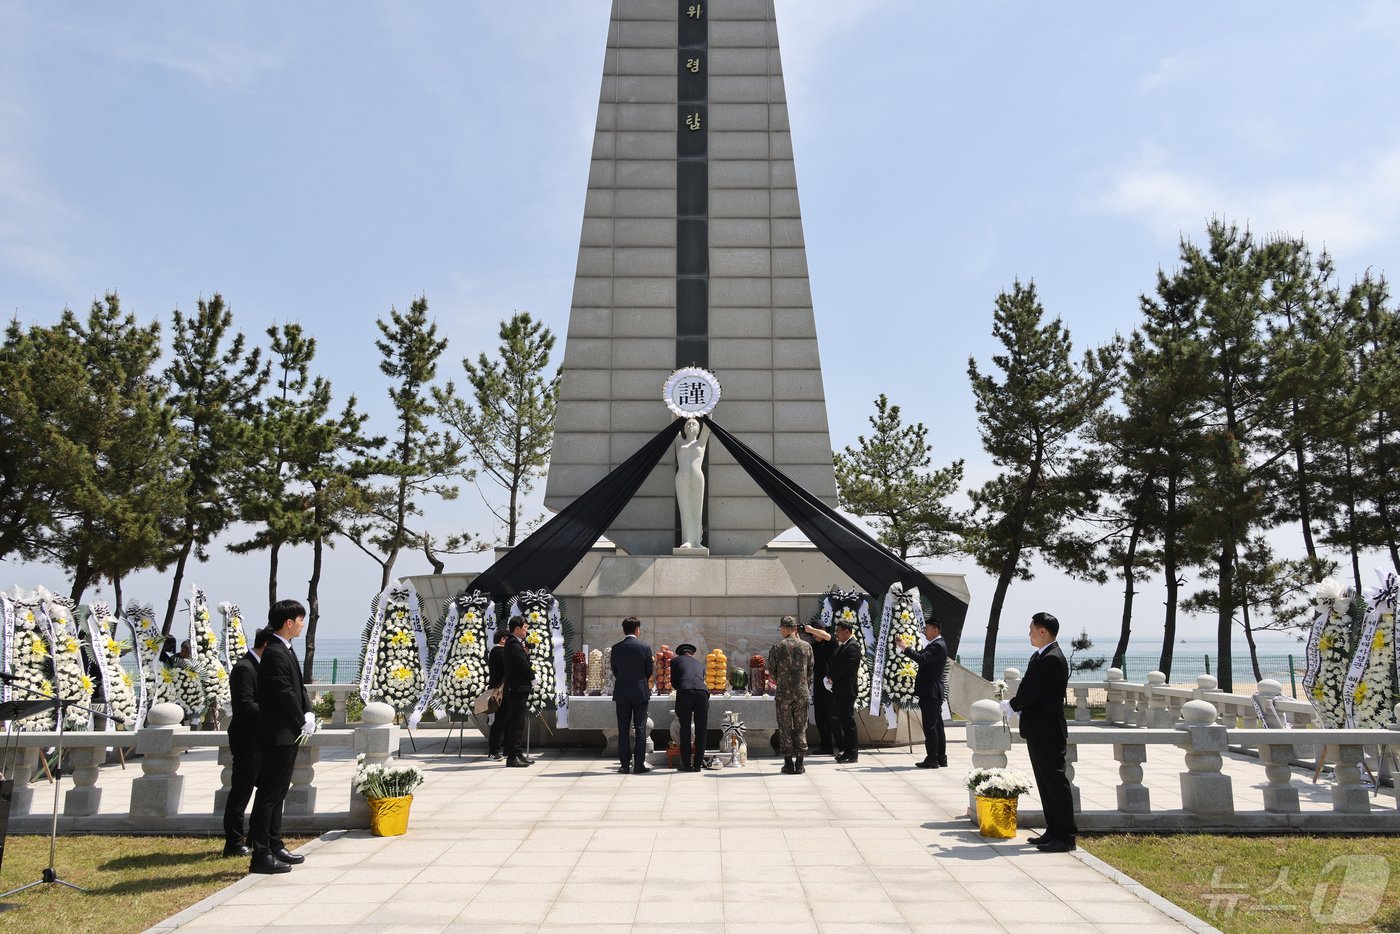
(215, 381)
(510, 428)
(887, 478)
(421, 459)
(1032, 424)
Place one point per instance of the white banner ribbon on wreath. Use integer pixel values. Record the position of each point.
(372, 643)
(561, 676)
(7, 643)
(97, 639)
(877, 677)
(454, 620)
(1382, 602)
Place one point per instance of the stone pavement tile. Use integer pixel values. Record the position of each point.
(518, 893)
(862, 927)
(482, 926)
(654, 927)
(1094, 891)
(425, 912)
(518, 873)
(364, 892)
(1164, 927)
(236, 916)
(1008, 891)
(269, 892)
(759, 888)
(923, 892)
(829, 890)
(568, 914)
(534, 859)
(414, 928)
(371, 875)
(765, 927)
(945, 911)
(629, 892)
(683, 908)
(1051, 911)
(748, 870)
(696, 892)
(626, 840)
(454, 875)
(308, 874)
(505, 912)
(1137, 912)
(882, 911)
(342, 913)
(972, 927)
(775, 912)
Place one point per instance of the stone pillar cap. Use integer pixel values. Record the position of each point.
(985, 711)
(1207, 682)
(1156, 677)
(1199, 712)
(1270, 688)
(166, 714)
(378, 713)
(1115, 674)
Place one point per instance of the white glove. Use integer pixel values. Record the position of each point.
(308, 726)
(826, 683)
(1006, 710)
(309, 719)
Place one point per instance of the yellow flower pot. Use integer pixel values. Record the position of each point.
(388, 817)
(996, 817)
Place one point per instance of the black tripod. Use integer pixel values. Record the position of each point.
(50, 874)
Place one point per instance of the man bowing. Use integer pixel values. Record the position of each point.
(928, 688)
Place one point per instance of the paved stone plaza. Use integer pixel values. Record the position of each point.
(874, 846)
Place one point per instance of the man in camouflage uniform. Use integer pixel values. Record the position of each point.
(790, 664)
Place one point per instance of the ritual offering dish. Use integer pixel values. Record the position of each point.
(595, 672)
(738, 679)
(579, 671)
(758, 674)
(663, 669)
(716, 671)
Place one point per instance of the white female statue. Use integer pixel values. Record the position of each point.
(690, 480)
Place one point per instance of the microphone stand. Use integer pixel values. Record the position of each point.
(50, 874)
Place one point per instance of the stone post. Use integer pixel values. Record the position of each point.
(225, 778)
(1349, 796)
(1082, 713)
(22, 797)
(1135, 710)
(1133, 796)
(301, 797)
(375, 740)
(1159, 716)
(1205, 790)
(1012, 677)
(1114, 712)
(340, 707)
(83, 798)
(989, 740)
(157, 793)
(1280, 796)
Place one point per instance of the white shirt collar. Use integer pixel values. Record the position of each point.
(278, 637)
(1041, 650)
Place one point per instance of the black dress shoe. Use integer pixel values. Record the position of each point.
(288, 857)
(684, 768)
(625, 769)
(641, 769)
(942, 762)
(1037, 839)
(1056, 845)
(494, 754)
(235, 848)
(926, 764)
(267, 864)
(517, 762)
(798, 768)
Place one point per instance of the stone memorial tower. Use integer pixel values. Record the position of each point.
(692, 254)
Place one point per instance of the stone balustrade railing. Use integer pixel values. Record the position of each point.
(1156, 704)
(1207, 795)
(157, 795)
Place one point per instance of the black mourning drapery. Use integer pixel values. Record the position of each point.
(546, 557)
(871, 565)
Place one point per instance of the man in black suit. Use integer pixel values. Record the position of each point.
(928, 688)
(243, 743)
(284, 717)
(632, 666)
(518, 677)
(692, 704)
(495, 678)
(1040, 700)
(845, 667)
(822, 647)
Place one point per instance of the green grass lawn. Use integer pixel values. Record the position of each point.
(132, 882)
(1247, 884)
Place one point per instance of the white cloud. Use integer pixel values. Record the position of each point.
(1349, 208)
(223, 47)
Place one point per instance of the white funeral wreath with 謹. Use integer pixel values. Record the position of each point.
(893, 687)
(116, 689)
(1329, 652)
(395, 649)
(204, 652)
(1368, 695)
(458, 673)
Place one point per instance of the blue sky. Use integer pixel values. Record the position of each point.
(320, 162)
